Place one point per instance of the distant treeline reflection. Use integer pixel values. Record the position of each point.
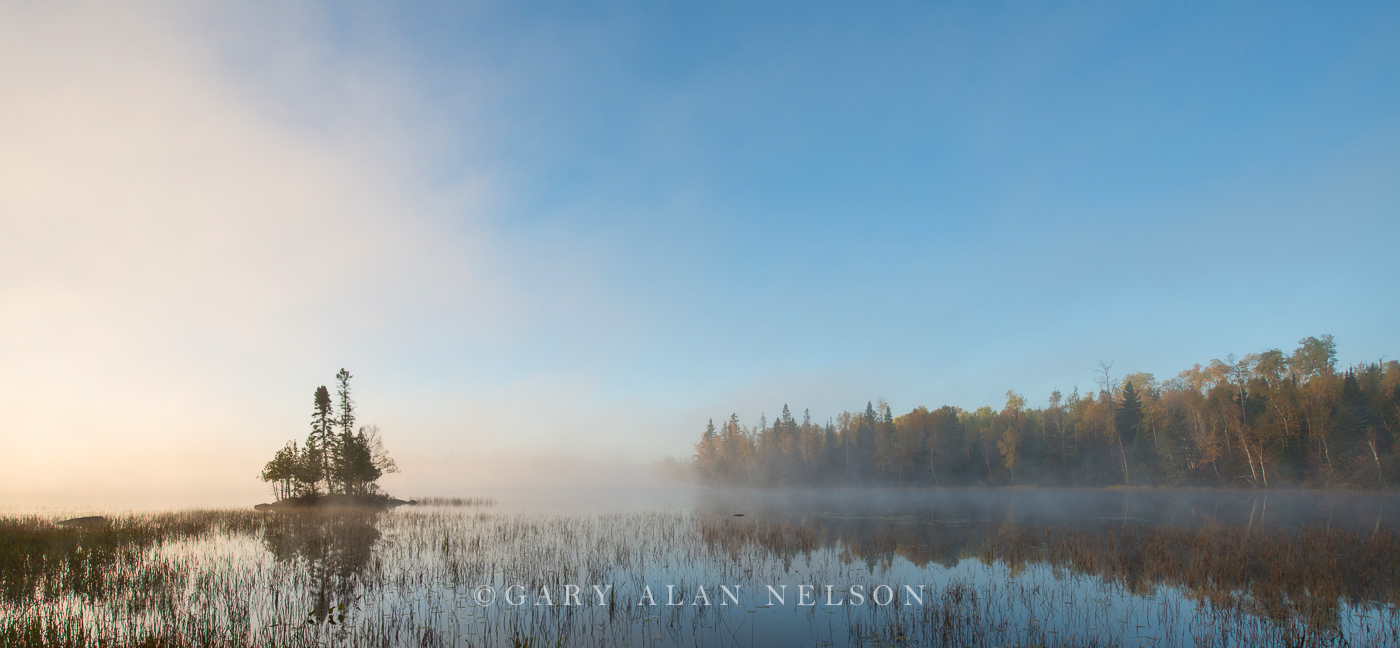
(1265, 420)
(1299, 575)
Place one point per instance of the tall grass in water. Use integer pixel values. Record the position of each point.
(456, 501)
(410, 577)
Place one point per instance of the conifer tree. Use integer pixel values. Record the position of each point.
(347, 406)
(1127, 423)
(346, 421)
(322, 440)
(310, 469)
(1129, 415)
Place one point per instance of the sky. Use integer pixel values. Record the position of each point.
(551, 240)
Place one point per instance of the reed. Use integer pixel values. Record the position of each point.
(456, 501)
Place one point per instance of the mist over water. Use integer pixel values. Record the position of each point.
(1076, 507)
(1040, 506)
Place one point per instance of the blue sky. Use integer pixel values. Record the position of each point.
(535, 229)
(800, 189)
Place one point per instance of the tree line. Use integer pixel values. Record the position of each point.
(1266, 420)
(335, 458)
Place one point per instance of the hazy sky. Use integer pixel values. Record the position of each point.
(565, 235)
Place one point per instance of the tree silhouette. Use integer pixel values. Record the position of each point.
(322, 441)
(348, 462)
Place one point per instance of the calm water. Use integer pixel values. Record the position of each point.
(718, 568)
(1078, 507)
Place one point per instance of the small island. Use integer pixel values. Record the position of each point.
(337, 466)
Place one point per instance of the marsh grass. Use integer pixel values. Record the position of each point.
(456, 501)
(410, 577)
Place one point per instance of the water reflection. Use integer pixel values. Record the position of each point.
(335, 549)
(1085, 508)
(1296, 575)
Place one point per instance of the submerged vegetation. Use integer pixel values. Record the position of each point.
(335, 459)
(1266, 420)
(421, 577)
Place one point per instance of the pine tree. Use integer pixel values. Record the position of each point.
(346, 421)
(321, 442)
(707, 454)
(1127, 422)
(865, 444)
(347, 406)
(1129, 415)
(357, 467)
(310, 469)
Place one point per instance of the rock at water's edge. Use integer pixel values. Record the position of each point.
(89, 521)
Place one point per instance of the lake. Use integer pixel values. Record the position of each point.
(960, 567)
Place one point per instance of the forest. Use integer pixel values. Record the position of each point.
(1267, 420)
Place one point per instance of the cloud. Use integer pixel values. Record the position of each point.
(179, 244)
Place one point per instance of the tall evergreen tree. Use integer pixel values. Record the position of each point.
(1128, 418)
(322, 441)
(1127, 422)
(347, 406)
(865, 444)
(787, 423)
(343, 461)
